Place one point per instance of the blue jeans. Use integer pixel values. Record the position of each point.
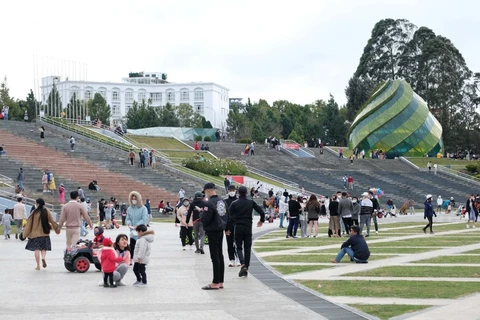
(292, 227)
(5, 116)
(282, 216)
(343, 251)
(83, 231)
(20, 184)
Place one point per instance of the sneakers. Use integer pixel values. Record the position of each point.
(468, 227)
(376, 232)
(424, 231)
(243, 272)
(136, 283)
(473, 226)
(197, 251)
(105, 285)
(141, 284)
(201, 251)
(232, 263)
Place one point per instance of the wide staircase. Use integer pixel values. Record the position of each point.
(89, 162)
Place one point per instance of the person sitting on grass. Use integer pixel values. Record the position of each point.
(356, 247)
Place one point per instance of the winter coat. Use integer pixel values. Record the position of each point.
(137, 214)
(109, 259)
(143, 248)
(313, 210)
(428, 212)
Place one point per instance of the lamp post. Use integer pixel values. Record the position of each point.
(214, 116)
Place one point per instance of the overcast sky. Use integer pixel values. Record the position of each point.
(295, 50)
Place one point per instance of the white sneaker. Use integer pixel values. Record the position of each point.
(376, 232)
(232, 263)
(100, 284)
(468, 227)
(141, 284)
(136, 282)
(473, 226)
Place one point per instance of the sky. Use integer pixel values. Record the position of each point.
(299, 51)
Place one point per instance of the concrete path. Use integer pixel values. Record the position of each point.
(173, 292)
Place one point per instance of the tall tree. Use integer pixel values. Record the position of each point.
(358, 91)
(168, 117)
(185, 115)
(14, 112)
(54, 103)
(75, 108)
(236, 123)
(30, 105)
(99, 109)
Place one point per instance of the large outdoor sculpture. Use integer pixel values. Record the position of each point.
(396, 121)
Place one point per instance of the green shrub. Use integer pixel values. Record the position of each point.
(244, 140)
(472, 168)
(207, 138)
(215, 167)
(198, 138)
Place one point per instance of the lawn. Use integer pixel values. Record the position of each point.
(296, 269)
(12, 231)
(302, 242)
(420, 271)
(186, 154)
(452, 259)
(394, 289)
(314, 258)
(476, 251)
(168, 219)
(265, 180)
(346, 152)
(454, 164)
(387, 311)
(160, 143)
(270, 249)
(432, 241)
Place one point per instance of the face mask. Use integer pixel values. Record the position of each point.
(134, 201)
(186, 204)
(354, 201)
(231, 193)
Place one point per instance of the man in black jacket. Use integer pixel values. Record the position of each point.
(240, 218)
(232, 255)
(356, 247)
(214, 219)
(197, 224)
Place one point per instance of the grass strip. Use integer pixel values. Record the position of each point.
(265, 180)
(395, 289)
(160, 142)
(387, 311)
(420, 271)
(452, 259)
(313, 258)
(430, 242)
(374, 250)
(270, 249)
(473, 251)
(296, 269)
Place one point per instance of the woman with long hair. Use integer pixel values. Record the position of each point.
(313, 209)
(37, 230)
(122, 249)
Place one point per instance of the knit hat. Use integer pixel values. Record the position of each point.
(107, 242)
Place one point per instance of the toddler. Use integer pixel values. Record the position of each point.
(7, 221)
(109, 260)
(142, 254)
(99, 238)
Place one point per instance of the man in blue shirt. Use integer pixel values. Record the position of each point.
(356, 247)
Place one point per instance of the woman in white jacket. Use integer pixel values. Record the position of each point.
(185, 228)
(282, 209)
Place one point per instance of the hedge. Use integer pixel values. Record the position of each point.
(215, 167)
(207, 138)
(244, 140)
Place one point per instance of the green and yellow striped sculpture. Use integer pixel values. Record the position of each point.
(397, 121)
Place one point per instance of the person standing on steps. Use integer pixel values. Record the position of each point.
(181, 195)
(199, 236)
(435, 167)
(240, 223)
(72, 143)
(71, 215)
(429, 166)
(81, 193)
(42, 133)
(428, 213)
(21, 178)
(131, 157)
(214, 219)
(19, 214)
(137, 214)
(226, 183)
(232, 254)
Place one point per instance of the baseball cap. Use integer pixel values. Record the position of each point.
(208, 186)
(198, 194)
(231, 187)
(428, 196)
(364, 194)
(107, 242)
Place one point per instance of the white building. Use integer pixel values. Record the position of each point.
(208, 98)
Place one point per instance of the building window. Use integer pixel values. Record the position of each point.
(128, 96)
(115, 109)
(74, 92)
(157, 96)
(170, 96)
(184, 96)
(127, 108)
(115, 95)
(88, 94)
(199, 107)
(198, 94)
(142, 96)
(103, 93)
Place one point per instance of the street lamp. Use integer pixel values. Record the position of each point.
(214, 115)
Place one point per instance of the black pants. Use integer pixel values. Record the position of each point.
(215, 242)
(123, 219)
(231, 247)
(347, 222)
(243, 243)
(139, 270)
(132, 246)
(355, 222)
(108, 278)
(430, 224)
(131, 161)
(184, 232)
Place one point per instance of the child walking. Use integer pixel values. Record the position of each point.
(7, 221)
(109, 260)
(142, 254)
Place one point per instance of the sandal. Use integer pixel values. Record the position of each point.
(209, 287)
(44, 263)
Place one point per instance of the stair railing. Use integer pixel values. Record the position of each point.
(28, 201)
